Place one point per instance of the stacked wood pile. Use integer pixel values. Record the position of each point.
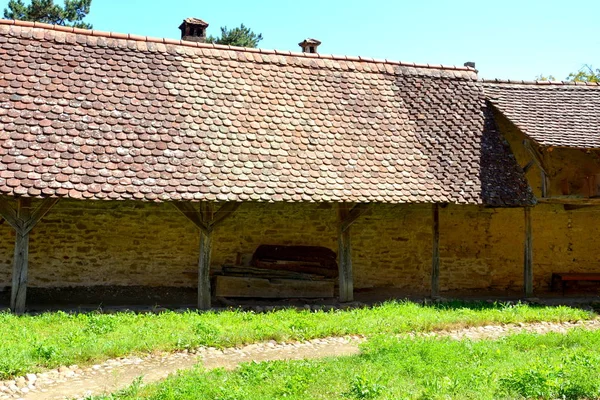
(281, 272)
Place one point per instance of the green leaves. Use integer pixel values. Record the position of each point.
(585, 74)
(71, 14)
(242, 37)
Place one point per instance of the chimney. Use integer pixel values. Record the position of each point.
(309, 45)
(470, 64)
(193, 30)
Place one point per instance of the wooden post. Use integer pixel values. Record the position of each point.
(528, 256)
(345, 257)
(435, 260)
(205, 220)
(206, 211)
(21, 259)
(22, 220)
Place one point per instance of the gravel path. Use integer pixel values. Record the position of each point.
(112, 375)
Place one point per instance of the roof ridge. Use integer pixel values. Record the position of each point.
(166, 41)
(541, 83)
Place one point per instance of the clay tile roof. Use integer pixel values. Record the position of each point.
(111, 116)
(558, 114)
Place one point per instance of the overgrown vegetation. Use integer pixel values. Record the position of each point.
(552, 366)
(31, 343)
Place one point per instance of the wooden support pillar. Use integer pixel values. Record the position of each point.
(435, 260)
(205, 219)
(206, 211)
(23, 220)
(528, 255)
(345, 257)
(20, 260)
(348, 214)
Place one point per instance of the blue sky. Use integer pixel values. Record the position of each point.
(507, 38)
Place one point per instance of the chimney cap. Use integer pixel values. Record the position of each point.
(194, 21)
(309, 41)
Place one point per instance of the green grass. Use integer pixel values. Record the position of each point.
(32, 343)
(551, 366)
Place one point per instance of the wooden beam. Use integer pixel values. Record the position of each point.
(537, 158)
(354, 213)
(527, 166)
(205, 219)
(528, 256)
(38, 214)
(188, 210)
(204, 297)
(23, 220)
(345, 256)
(9, 213)
(21, 259)
(225, 211)
(435, 261)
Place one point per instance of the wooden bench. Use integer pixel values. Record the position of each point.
(564, 277)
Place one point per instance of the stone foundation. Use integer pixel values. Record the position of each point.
(102, 243)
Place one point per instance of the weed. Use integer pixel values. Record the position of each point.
(363, 387)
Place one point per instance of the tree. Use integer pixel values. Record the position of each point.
(71, 14)
(585, 74)
(242, 36)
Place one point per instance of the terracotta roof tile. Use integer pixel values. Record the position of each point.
(556, 114)
(105, 117)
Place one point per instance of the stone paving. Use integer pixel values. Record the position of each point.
(75, 382)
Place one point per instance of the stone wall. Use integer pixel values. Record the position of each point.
(88, 243)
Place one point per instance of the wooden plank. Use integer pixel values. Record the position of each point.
(225, 211)
(38, 214)
(297, 267)
(528, 256)
(188, 210)
(238, 270)
(435, 261)
(356, 212)
(577, 276)
(21, 259)
(233, 286)
(206, 213)
(345, 257)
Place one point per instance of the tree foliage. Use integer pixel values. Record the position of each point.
(71, 14)
(242, 36)
(586, 73)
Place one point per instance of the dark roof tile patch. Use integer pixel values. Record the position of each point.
(99, 117)
(558, 114)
